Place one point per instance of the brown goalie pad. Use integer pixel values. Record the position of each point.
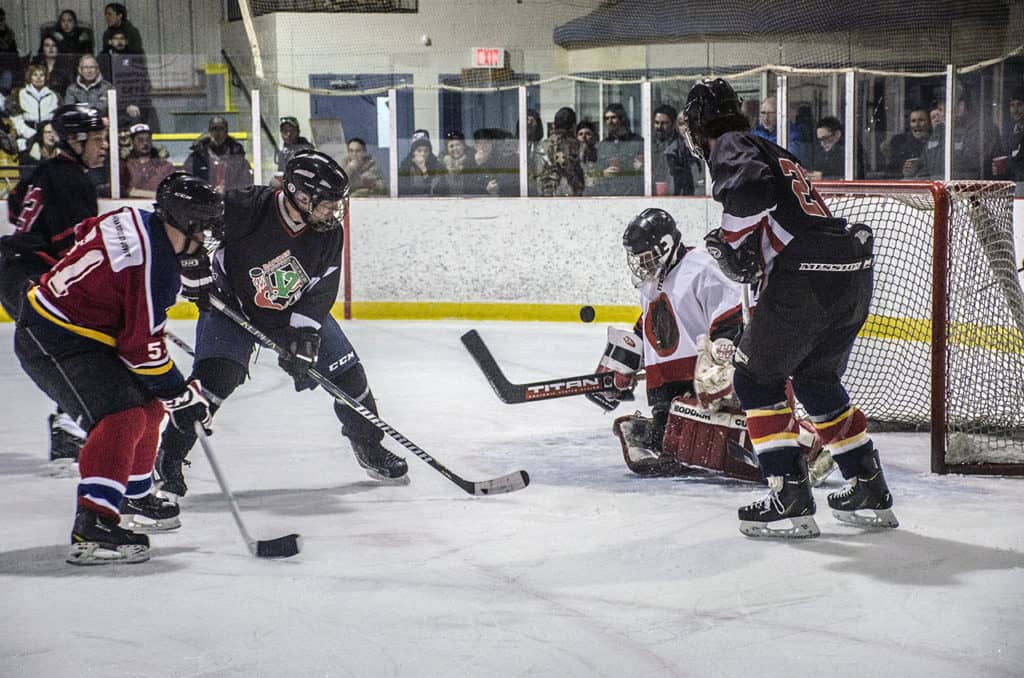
(714, 441)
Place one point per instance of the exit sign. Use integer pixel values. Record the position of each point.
(488, 57)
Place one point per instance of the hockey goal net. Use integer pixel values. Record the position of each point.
(943, 347)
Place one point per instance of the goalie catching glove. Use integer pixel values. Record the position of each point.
(623, 355)
(712, 375)
(302, 346)
(188, 407)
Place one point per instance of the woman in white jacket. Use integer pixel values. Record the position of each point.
(37, 104)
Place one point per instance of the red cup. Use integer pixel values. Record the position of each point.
(660, 188)
(1000, 165)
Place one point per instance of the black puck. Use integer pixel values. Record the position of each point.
(587, 314)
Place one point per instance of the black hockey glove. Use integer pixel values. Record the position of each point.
(188, 407)
(196, 279)
(302, 345)
(741, 265)
(623, 356)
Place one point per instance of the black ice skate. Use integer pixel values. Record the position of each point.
(171, 476)
(96, 540)
(66, 440)
(379, 463)
(789, 498)
(149, 514)
(866, 492)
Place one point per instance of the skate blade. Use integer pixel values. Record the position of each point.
(93, 553)
(137, 523)
(802, 527)
(882, 518)
(62, 467)
(387, 480)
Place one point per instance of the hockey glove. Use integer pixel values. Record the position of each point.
(302, 345)
(712, 375)
(196, 279)
(741, 265)
(188, 407)
(623, 356)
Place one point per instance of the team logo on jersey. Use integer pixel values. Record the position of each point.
(279, 283)
(660, 326)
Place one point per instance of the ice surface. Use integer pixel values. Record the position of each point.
(590, 571)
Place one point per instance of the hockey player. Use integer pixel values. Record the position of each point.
(45, 208)
(91, 336)
(278, 263)
(814, 277)
(684, 338)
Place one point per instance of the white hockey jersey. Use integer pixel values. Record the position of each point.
(694, 299)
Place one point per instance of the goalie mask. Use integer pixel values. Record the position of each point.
(317, 187)
(190, 205)
(712, 109)
(652, 243)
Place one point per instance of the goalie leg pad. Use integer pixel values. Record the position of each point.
(715, 441)
(640, 451)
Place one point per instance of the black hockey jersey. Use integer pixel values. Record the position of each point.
(766, 195)
(46, 207)
(280, 272)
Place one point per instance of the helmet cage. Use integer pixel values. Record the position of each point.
(320, 212)
(648, 265)
(317, 187)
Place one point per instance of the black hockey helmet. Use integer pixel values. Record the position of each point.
(712, 109)
(317, 187)
(74, 122)
(653, 243)
(190, 205)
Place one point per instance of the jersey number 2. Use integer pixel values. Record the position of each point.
(810, 201)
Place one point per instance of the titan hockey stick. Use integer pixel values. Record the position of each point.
(282, 547)
(506, 483)
(512, 394)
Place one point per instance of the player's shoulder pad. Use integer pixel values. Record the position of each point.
(124, 237)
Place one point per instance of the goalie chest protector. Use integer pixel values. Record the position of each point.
(699, 437)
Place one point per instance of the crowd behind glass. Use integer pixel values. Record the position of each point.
(593, 145)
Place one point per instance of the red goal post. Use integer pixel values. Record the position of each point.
(943, 347)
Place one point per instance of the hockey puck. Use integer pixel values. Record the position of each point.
(587, 314)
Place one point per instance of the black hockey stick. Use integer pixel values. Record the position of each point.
(510, 393)
(282, 547)
(506, 483)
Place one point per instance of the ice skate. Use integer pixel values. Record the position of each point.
(96, 540)
(171, 484)
(66, 440)
(866, 501)
(789, 498)
(380, 464)
(150, 514)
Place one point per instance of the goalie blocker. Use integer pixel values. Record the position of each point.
(700, 440)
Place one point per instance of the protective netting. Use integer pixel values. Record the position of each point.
(890, 374)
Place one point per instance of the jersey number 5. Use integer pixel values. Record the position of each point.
(810, 201)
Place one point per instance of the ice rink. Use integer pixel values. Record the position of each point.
(588, 572)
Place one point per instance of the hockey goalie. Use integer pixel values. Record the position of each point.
(685, 341)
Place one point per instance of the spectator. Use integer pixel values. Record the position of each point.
(680, 161)
(561, 172)
(421, 173)
(10, 60)
(669, 170)
(144, 167)
(1010, 166)
(930, 163)
(128, 72)
(767, 120)
(749, 108)
(828, 160)
(799, 142)
(291, 142)
(43, 145)
(496, 163)
(57, 65)
(900, 152)
(457, 161)
(620, 154)
(89, 87)
(37, 101)
(364, 175)
(534, 159)
(586, 134)
(70, 37)
(975, 140)
(219, 159)
(116, 15)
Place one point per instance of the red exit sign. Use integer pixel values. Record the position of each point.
(488, 57)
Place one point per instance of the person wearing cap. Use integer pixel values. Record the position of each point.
(127, 70)
(421, 173)
(219, 159)
(291, 142)
(144, 167)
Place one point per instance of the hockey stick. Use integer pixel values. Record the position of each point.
(281, 547)
(512, 394)
(506, 483)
